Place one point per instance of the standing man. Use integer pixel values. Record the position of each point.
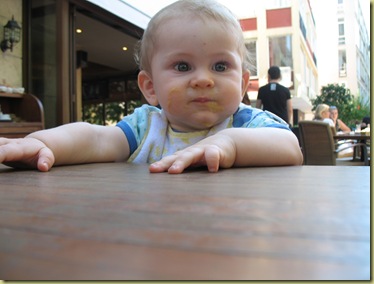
(275, 97)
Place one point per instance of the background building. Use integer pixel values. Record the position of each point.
(343, 46)
(283, 33)
(73, 54)
(70, 70)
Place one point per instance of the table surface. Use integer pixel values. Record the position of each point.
(117, 221)
(354, 136)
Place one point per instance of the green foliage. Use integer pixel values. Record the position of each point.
(93, 113)
(359, 111)
(113, 112)
(351, 109)
(335, 95)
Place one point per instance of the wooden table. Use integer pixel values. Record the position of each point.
(119, 222)
(360, 136)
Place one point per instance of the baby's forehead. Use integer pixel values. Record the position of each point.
(160, 28)
(183, 30)
(190, 20)
(186, 18)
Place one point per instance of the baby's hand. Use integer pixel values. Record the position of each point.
(214, 152)
(26, 153)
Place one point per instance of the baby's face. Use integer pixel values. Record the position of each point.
(197, 73)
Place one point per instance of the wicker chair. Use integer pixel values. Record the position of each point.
(319, 148)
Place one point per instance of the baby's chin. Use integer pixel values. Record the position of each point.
(194, 125)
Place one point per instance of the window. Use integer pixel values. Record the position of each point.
(280, 51)
(252, 50)
(342, 63)
(276, 4)
(44, 69)
(341, 31)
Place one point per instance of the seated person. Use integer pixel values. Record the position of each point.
(338, 123)
(322, 113)
(365, 122)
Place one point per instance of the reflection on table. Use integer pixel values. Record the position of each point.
(119, 222)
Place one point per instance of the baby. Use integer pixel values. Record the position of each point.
(193, 65)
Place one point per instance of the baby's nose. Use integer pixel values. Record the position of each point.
(202, 80)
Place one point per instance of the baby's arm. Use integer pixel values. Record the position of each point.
(265, 147)
(73, 143)
(236, 147)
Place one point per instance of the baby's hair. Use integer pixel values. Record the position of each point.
(202, 9)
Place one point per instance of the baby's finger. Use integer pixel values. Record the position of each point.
(46, 160)
(162, 165)
(193, 156)
(212, 158)
(178, 162)
(9, 151)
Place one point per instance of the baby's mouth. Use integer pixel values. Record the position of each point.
(202, 100)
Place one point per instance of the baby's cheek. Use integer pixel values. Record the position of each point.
(215, 107)
(174, 101)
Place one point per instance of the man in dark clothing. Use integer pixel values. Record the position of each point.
(275, 97)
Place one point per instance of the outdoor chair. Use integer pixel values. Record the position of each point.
(319, 147)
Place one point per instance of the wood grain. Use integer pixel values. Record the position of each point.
(119, 222)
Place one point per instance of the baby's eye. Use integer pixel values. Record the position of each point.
(220, 67)
(182, 67)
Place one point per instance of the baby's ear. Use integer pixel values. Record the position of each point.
(146, 86)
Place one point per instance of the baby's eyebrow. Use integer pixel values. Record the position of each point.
(178, 54)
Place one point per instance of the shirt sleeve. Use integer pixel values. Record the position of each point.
(135, 125)
(260, 93)
(249, 117)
